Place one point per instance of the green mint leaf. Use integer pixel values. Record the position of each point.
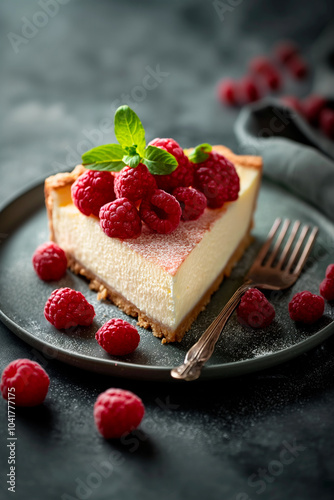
(159, 161)
(108, 157)
(128, 129)
(200, 153)
(131, 160)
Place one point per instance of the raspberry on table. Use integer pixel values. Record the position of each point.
(263, 67)
(134, 183)
(118, 337)
(66, 308)
(92, 190)
(49, 261)
(117, 412)
(330, 271)
(326, 121)
(217, 178)
(312, 107)
(285, 51)
(120, 219)
(25, 381)
(327, 288)
(306, 307)
(192, 202)
(161, 213)
(182, 175)
(255, 310)
(228, 92)
(249, 90)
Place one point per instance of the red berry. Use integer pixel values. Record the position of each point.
(117, 412)
(217, 178)
(330, 271)
(273, 79)
(326, 121)
(118, 337)
(285, 51)
(134, 183)
(227, 92)
(120, 219)
(66, 308)
(49, 261)
(312, 106)
(92, 190)
(24, 383)
(265, 69)
(192, 202)
(254, 310)
(298, 67)
(292, 102)
(306, 307)
(327, 288)
(161, 213)
(249, 90)
(182, 175)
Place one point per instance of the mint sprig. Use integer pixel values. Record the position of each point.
(200, 153)
(131, 149)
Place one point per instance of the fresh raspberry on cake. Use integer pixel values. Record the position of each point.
(306, 307)
(161, 213)
(134, 183)
(66, 308)
(24, 383)
(117, 412)
(217, 178)
(92, 190)
(49, 261)
(228, 92)
(120, 219)
(192, 202)
(118, 337)
(255, 310)
(182, 175)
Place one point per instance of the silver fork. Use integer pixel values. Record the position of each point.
(267, 272)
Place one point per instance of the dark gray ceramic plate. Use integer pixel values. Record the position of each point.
(23, 226)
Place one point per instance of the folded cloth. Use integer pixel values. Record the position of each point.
(295, 154)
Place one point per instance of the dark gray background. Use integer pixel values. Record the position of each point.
(197, 440)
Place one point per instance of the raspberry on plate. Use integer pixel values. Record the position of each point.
(92, 190)
(134, 183)
(330, 271)
(182, 175)
(217, 178)
(120, 219)
(24, 382)
(161, 213)
(228, 92)
(306, 307)
(327, 289)
(192, 202)
(255, 310)
(118, 337)
(66, 308)
(49, 261)
(117, 412)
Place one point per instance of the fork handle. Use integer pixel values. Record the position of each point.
(200, 352)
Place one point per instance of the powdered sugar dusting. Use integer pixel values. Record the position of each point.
(170, 250)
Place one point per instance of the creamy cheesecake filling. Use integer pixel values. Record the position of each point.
(165, 294)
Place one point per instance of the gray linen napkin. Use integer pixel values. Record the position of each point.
(295, 154)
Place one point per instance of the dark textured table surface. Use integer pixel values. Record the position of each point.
(267, 435)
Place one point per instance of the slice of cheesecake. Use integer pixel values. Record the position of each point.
(164, 280)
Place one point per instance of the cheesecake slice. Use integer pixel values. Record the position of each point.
(163, 280)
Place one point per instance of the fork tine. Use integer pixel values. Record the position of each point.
(265, 247)
(278, 243)
(306, 251)
(288, 244)
(299, 243)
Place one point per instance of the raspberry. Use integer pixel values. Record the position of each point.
(292, 102)
(330, 271)
(217, 178)
(66, 308)
(263, 67)
(249, 90)
(49, 261)
(254, 310)
(182, 175)
(92, 190)
(117, 412)
(134, 183)
(306, 307)
(161, 213)
(312, 106)
(25, 381)
(227, 92)
(326, 121)
(327, 288)
(298, 67)
(120, 219)
(118, 337)
(192, 202)
(285, 51)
